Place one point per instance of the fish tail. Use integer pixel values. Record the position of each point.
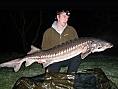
(15, 64)
(17, 67)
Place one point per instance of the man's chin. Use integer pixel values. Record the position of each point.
(63, 25)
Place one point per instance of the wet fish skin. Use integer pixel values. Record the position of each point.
(60, 53)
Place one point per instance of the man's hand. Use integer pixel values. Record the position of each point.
(40, 62)
(84, 50)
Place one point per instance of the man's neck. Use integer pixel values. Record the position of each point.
(59, 26)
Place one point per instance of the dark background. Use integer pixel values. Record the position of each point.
(90, 18)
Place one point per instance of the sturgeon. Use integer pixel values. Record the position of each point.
(59, 53)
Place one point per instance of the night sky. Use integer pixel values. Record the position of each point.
(90, 19)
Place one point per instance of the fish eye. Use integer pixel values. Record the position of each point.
(99, 46)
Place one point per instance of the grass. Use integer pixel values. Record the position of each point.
(8, 77)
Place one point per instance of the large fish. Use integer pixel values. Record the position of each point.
(60, 52)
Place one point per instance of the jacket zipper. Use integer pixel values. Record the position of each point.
(60, 39)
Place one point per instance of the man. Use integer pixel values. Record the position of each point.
(59, 33)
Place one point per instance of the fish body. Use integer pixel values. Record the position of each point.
(61, 52)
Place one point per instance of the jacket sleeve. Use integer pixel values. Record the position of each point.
(73, 33)
(76, 35)
(45, 41)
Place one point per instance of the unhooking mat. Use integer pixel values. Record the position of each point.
(87, 79)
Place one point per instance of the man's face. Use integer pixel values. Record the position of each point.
(62, 18)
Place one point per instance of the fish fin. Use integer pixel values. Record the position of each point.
(17, 67)
(33, 50)
(30, 61)
(47, 63)
(83, 55)
(15, 64)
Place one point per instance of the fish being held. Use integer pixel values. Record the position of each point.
(60, 52)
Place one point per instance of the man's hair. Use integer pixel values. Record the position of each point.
(65, 11)
(61, 11)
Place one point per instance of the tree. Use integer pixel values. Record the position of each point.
(23, 25)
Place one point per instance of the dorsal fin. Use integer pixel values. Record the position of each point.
(33, 50)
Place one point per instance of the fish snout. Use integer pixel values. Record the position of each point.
(110, 45)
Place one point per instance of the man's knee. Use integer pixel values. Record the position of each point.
(53, 68)
(76, 59)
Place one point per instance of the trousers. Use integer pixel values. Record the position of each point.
(72, 64)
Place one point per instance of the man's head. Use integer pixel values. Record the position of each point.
(63, 11)
(62, 17)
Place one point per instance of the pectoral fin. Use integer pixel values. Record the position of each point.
(47, 63)
(83, 55)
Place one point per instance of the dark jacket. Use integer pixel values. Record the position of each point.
(52, 38)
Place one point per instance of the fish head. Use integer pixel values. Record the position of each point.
(98, 45)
